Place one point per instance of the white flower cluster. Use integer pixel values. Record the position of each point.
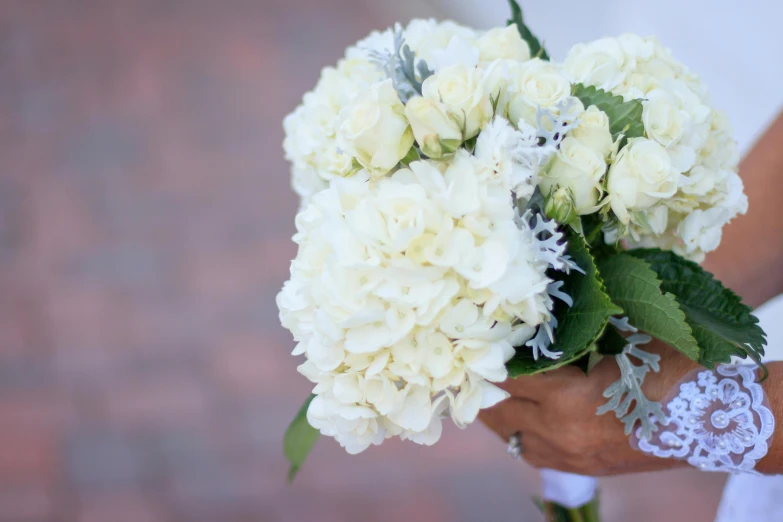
(677, 186)
(349, 120)
(311, 130)
(409, 293)
(416, 273)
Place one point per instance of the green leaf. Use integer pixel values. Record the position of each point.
(411, 156)
(611, 342)
(536, 49)
(625, 117)
(722, 324)
(299, 439)
(579, 325)
(592, 226)
(633, 285)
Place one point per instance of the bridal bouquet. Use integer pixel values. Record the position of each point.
(472, 211)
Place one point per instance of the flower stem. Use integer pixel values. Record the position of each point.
(575, 514)
(556, 513)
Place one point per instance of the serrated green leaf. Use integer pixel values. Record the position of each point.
(299, 439)
(536, 49)
(578, 326)
(634, 286)
(625, 117)
(722, 324)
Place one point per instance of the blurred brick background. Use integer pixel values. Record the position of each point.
(145, 219)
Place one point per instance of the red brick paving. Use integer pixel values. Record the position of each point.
(145, 218)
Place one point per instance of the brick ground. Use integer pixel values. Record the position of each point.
(144, 224)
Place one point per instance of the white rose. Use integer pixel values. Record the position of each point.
(503, 43)
(436, 131)
(663, 119)
(373, 128)
(578, 168)
(538, 84)
(560, 206)
(641, 175)
(598, 63)
(677, 119)
(462, 91)
(593, 131)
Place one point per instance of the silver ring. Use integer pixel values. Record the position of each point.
(514, 447)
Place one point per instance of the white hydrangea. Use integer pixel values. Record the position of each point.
(697, 138)
(428, 38)
(409, 292)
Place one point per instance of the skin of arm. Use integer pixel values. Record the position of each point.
(750, 257)
(555, 412)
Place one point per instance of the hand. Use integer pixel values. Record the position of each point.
(556, 414)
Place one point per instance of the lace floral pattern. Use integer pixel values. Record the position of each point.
(719, 421)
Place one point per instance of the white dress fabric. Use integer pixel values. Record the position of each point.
(752, 498)
(734, 47)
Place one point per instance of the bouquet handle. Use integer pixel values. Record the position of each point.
(568, 497)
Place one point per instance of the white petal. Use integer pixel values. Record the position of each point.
(378, 363)
(492, 395)
(326, 357)
(347, 388)
(490, 364)
(466, 405)
(366, 339)
(311, 371)
(415, 412)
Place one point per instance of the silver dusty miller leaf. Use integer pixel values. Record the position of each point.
(625, 395)
(401, 66)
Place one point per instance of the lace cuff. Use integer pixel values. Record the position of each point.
(718, 421)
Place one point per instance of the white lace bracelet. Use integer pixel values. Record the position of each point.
(719, 421)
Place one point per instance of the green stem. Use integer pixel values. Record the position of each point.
(590, 511)
(556, 513)
(575, 514)
(593, 235)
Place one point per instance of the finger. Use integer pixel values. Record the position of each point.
(539, 453)
(492, 418)
(512, 416)
(535, 452)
